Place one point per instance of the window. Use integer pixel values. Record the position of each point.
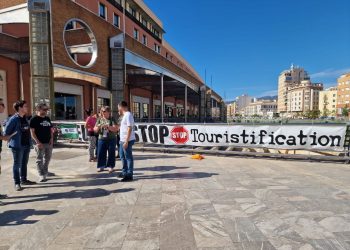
(136, 34)
(70, 25)
(145, 110)
(144, 22)
(157, 111)
(133, 12)
(116, 20)
(136, 110)
(156, 32)
(144, 40)
(102, 11)
(157, 48)
(103, 102)
(166, 55)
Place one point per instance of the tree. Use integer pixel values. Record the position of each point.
(325, 104)
(345, 111)
(326, 112)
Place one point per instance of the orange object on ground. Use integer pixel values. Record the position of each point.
(197, 157)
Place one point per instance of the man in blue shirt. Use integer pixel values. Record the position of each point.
(20, 143)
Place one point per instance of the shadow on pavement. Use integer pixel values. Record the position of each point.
(18, 217)
(74, 194)
(150, 157)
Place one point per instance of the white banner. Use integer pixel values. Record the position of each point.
(309, 137)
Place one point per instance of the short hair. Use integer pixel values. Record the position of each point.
(40, 106)
(123, 104)
(18, 104)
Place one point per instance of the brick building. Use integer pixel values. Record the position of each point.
(88, 53)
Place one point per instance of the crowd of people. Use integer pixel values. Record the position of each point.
(105, 134)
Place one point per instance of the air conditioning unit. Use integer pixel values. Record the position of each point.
(39, 5)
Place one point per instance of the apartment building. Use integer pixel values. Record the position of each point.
(303, 97)
(328, 102)
(286, 80)
(263, 108)
(243, 101)
(343, 94)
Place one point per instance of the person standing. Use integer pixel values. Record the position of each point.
(127, 140)
(42, 134)
(118, 134)
(90, 125)
(20, 142)
(2, 138)
(107, 128)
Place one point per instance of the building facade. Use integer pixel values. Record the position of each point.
(303, 97)
(97, 53)
(328, 102)
(231, 109)
(286, 80)
(262, 108)
(343, 94)
(243, 101)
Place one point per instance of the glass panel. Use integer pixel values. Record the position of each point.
(65, 106)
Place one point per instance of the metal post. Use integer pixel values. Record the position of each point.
(162, 96)
(185, 103)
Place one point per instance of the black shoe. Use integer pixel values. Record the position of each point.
(121, 175)
(127, 179)
(50, 174)
(3, 196)
(26, 182)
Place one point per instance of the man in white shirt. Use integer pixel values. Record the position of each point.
(127, 140)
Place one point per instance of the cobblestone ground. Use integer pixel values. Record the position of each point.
(179, 203)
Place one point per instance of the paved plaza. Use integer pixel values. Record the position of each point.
(179, 203)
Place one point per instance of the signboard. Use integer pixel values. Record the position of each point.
(308, 137)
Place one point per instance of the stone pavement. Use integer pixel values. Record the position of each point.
(179, 203)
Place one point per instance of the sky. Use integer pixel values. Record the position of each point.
(244, 45)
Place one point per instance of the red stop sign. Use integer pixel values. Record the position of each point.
(179, 135)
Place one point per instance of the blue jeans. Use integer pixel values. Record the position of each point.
(127, 158)
(20, 162)
(103, 147)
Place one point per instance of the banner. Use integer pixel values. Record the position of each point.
(68, 131)
(308, 137)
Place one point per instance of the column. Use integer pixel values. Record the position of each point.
(40, 55)
(118, 87)
(162, 96)
(185, 103)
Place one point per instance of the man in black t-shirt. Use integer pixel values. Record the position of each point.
(42, 134)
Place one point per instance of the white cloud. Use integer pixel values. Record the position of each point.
(330, 73)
